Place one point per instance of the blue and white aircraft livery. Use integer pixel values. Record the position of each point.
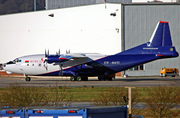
(80, 66)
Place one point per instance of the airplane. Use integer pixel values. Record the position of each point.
(80, 66)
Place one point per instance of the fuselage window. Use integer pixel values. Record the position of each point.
(27, 64)
(39, 65)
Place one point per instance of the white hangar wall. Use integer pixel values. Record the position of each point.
(88, 29)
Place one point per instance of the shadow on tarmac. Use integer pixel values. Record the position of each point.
(128, 79)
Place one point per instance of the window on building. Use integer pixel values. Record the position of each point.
(136, 68)
(139, 67)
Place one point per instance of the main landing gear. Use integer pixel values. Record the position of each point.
(78, 78)
(83, 78)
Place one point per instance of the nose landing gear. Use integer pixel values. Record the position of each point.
(27, 79)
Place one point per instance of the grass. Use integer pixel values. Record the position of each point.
(87, 94)
(16, 95)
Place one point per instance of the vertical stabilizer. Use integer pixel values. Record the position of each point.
(166, 41)
(161, 35)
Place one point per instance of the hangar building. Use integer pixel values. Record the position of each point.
(139, 21)
(90, 28)
(84, 29)
(56, 4)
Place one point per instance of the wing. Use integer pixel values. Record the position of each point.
(65, 57)
(73, 56)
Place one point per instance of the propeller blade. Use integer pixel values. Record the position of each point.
(48, 52)
(45, 53)
(61, 70)
(45, 65)
(68, 52)
(59, 52)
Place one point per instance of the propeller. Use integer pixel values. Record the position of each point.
(58, 59)
(45, 59)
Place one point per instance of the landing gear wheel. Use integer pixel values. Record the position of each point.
(79, 78)
(72, 78)
(28, 79)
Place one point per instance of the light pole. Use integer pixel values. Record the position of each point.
(129, 101)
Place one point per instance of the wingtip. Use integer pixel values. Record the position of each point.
(163, 22)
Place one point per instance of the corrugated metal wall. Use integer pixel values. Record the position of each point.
(139, 22)
(56, 4)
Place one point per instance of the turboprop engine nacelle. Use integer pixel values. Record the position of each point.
(54, 58)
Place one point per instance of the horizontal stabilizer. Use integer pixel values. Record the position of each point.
(161, 35)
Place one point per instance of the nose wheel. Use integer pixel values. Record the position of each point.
(27, 79)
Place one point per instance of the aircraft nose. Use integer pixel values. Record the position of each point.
(3, 66)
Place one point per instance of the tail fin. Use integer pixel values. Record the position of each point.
(160, 43)
(161, 35)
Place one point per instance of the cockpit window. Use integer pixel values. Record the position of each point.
(14, 61)
(10, 62)
(17, 60)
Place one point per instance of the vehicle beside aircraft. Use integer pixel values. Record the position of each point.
(80, 66)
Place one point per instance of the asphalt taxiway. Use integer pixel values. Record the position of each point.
(119, 81)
